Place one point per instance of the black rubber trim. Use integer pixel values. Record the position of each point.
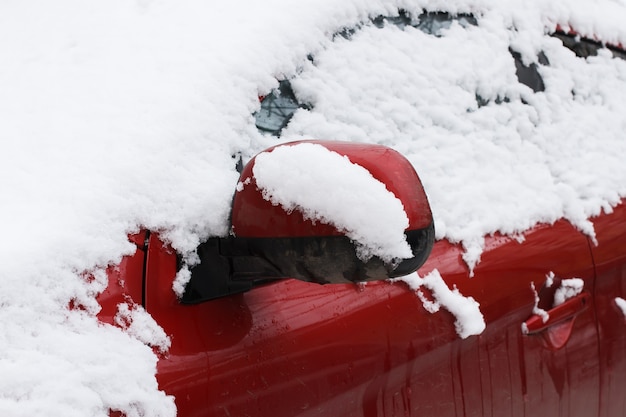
(234, 265)
(144, 275)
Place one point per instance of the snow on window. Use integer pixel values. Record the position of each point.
(466, 310)
(326, 187)
(621, 303)
(526, 157)
(569, 288)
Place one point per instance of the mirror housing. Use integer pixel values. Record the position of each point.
(267, 242)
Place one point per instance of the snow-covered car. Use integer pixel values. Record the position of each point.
(355, 208)
(535, 327)
(547, 338)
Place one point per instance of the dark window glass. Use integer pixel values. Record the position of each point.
(435, 23)
(529, 74)
(432, 23)
(277, 108)
(584, 48)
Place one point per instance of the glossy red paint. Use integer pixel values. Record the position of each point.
(125, 281)
(515, 374)
(292, 348)
(254, 216)
(610, 261)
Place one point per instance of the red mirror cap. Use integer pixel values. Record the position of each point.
(253, 216)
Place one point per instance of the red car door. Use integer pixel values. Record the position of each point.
(552, 368)
(610, 260)
(292, 348)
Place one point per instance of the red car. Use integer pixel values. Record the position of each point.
(255, 334)
(246, 341)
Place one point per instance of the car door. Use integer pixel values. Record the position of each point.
(552, 370)
(182, 371)
(610, 260)
(293, 348)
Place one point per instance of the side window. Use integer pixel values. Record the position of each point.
(277, 108)
(432, 23)
(584, 48)
(529, 74)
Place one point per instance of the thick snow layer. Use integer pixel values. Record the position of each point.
(116, 115)
(321, 184)
(521, 159)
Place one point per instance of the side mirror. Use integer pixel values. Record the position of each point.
(280, 231)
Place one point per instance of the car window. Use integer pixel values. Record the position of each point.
(584, 48)
(280, 105)
(529, 74)
(432, 23)
(277, 108)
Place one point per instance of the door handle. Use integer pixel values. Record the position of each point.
(558, 315)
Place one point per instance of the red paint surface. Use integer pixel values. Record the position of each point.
(125, 281)
(292, 348)
(610, 261)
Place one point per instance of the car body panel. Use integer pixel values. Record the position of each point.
(520, 374)
(295, 348)
(125, 281)
(610, 261)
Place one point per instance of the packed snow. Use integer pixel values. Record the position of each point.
(139, 324)
(569, 288)
(621, 303)
(485, 168)
(116, 115)
(466, 310)
(376, 220)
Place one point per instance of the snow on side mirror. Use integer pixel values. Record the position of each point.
(332, 212)
(319, 211)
